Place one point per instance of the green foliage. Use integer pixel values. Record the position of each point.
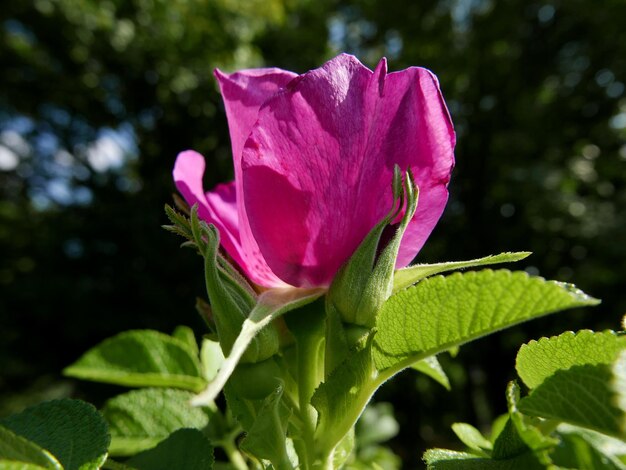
(211, 358)
(538, 360)
(267, 437)
(141, 358)
(341, 399)
(430, 366)
(449, 460)
(508, 71)
(472, 438)
(71, 430)
(185, 448)
(580, 395)
(16, 450)
(572, 417)
(448, 311)
(410, 275)
(140, 419)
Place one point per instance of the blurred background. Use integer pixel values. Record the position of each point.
(98, 97)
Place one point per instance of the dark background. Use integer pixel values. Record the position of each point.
(98, 97)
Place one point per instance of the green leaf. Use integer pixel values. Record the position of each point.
(71, 430)
(472, 438)
(408, 276)
(271, 304)
(377, 424)
(243, 410)
(266, 438)
(581, 395)
(618, 383)
(344, 451)
(431, 367)
(211, 358)
(538, 360)
(187, 336)
(186, 449)
(509, 444)
(140, 358)
(442, 312)
(585, 449)
(21, 450)
(12, 465)
(528, 428)
(439, 459)
(140, 419)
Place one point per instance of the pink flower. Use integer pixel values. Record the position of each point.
(314, 156)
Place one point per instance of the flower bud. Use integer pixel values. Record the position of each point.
(365, 282)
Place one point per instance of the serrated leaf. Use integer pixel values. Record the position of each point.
(472, 438)
(581, 395)
(442, 312)
(538, 360)
(20, 450)
(185, 448)
(140, 358)
(408, 276)
(140, 419)
(71, 430)
(430, 366)
(266, 438)
(440, 459)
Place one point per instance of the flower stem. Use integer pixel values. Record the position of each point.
(307, 382)
(308, 328)
(235, 457)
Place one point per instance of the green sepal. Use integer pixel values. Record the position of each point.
(232, 299)
(267, 437)
(365, 282)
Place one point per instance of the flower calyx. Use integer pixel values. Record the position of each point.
(230, 295)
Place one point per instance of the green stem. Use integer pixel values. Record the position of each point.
(308, 349)
(308, 329)
(234, 455)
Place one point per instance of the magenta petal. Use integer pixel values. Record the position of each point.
(243, 93)
(219, 207)
(318, 165)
